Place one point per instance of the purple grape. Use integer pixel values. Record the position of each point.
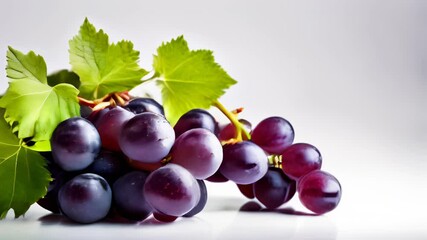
(199, 151)
(244, 162)
(147, 137)
(172, 190)
(229, 131)
(273, 134)
(109, 165)
(196, 118)
(300, 159)
(129, 199)
(274, 188)
(109, 126)
(86, 198)
(319, 191)
(202, 202)
(140, 105)
(75, 144)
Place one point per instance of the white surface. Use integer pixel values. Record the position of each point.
(349, 75)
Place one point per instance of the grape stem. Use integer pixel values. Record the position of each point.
(241, 132)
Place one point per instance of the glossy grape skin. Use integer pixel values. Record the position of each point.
(147, 137)
(75, 144)
(229, 131)
(300, 159)
(109, 165)
(273, 134)
(140, 105)
(109, 126)
(202, 202)
(172, 190)
(319, 191)
(195, 118)
(274, 188)
(86, 198)
(199, 151)
(129, 199)
(244, 162)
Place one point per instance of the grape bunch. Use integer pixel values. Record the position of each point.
(126, 161)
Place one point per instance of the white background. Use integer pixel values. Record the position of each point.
(351, 76)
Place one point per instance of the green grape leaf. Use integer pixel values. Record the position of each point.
(23, 176)
(188, 79)
(25, 67)
(103, 68)
(63, 76)
(33, 108)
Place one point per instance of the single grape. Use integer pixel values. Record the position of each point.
(109, 126)
(86, 198)
(229, 131)
(172, 190)
(300, 159)
(273, 134)
(75, 144)
(199, 151)
(202, 202)
(319, 191)
(109, 165)
(244, 162)
(274, 188)
(147, 137)
(129, 199)
(140, 105)
(247, 190)
(196, 118)
(217, 177)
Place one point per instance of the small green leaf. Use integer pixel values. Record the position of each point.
(63, 76)
(25, 66)
(33, 108)
(103, 68)
(188, 79)
(23, 176)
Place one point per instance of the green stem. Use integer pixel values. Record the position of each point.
(240, 130)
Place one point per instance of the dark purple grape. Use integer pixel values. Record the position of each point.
(196, 118)
(300, 159)
(202, 202)
(217, 177)
(274, 188)
(147, 137)
(319, 191)
(129, 199)
(229, 131)
(273, 134)
(140, 105)
(199, 151)
(109, 165)
(109, 126)
(86, 198)
(244, 162)
(163, 217)
(85, 111)
(172, 190)
(96, 115)
(247, 190)
(75, 144)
